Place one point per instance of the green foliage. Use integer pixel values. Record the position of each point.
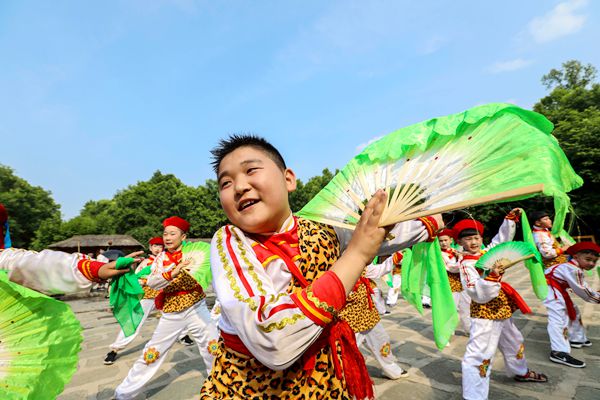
(574, 108)
(28, 206)
(305, 192)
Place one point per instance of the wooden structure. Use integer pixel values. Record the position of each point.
(92, 243)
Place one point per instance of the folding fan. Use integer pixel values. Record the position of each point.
(40, 339)
(491, 153)
(199, 252)
(506, 255)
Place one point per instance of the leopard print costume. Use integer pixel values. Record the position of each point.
(237, 376)
(502, 307)
(560, 259)
(183, 281)
(149, 293)
(455, 284)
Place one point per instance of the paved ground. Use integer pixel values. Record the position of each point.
(433, 374)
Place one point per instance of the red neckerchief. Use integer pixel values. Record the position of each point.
(282, 245)
(472, 256)
(172, 258)
(450, 252)
(562, 289)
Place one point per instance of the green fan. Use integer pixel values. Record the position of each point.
(40, 339)
(482, 155)
(199, 252)
(506, 255)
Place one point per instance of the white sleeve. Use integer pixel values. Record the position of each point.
(48, 271)
(544, 243)
(404, 234)
(506, 233)
(156, 279)
(375, 271)
(266, 319)
(575, 278)
(478, 289)
(452, 263)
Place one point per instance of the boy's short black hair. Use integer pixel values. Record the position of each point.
(468, 232)
(234, 142)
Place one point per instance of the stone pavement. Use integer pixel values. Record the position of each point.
(434, 374)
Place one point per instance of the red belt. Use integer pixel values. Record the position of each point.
(568, 302)
(516, 297)
(159, 300)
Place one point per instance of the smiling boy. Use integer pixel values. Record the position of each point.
(282, 281)
(564, 318)
(492, 304)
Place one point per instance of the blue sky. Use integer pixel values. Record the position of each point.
(95, 96)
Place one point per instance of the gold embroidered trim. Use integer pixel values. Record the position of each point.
(251, 270)
(229, 272)
(321, 304)
(281, 324)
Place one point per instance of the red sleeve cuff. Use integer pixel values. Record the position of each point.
(397, 258)
(559, 251)
(512, 216)
(89, 269)
(431, 226)
(167, 276)
(322, 300)
(493, 278)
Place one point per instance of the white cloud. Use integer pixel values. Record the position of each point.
(508, 66)
(561, 21)
(362, 146)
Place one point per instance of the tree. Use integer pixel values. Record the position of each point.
(573, 106)
(28, 207)
(305, 192)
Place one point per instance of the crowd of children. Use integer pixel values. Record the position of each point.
(297, 298)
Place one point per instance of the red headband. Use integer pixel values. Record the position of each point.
(3, 214)
(156, 240)
(467, 224)
(177, 222)
(582, 246)
(446, 232)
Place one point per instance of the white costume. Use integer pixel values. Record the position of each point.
(460, 296)
(266, 331)
(548, 247)
(49, 271)
(184, 309)
(563, 327)
(496, 331)
(377, 339)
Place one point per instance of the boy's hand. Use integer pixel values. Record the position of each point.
(368, 236)
(138, 255)
(182, 265)
(108, 271)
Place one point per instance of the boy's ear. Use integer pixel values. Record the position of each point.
(290, 180)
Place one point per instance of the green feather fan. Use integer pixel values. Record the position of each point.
(199, 252)
(40, 339)
(491, 153)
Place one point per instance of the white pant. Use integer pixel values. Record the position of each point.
(378, 300)
(560, 328)
(463, 305)
(196, 320)
(392, 295)
(122, 341)
(487, 336)
(378, 342)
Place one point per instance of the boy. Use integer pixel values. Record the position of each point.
(182, 302)
(394, 291)
(564, 317)
(156, 246)
(452, 261)
(281, 281)
(377, 339)
(552, 252)
(493, 303)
